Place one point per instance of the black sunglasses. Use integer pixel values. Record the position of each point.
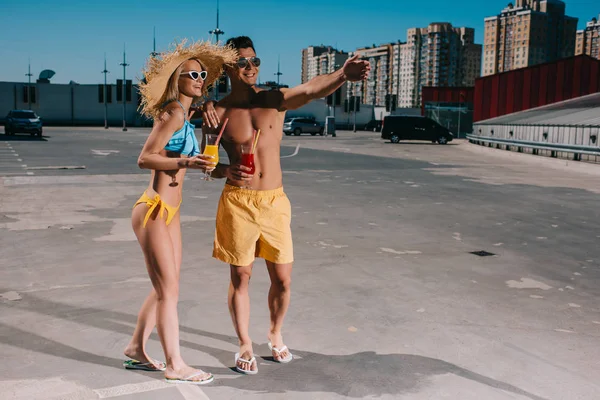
(243, 62)
(196, 74)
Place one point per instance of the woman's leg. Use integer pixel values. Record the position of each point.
(163, 269)
(146, 321)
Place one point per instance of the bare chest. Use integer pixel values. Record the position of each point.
(243, 122)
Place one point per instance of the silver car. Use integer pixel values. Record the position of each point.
(23, 121)
(298, 126)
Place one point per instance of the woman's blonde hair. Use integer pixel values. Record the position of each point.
(172, 91)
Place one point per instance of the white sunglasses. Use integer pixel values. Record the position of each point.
(196, 74)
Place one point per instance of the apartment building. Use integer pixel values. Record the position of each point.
(528, 33)
(588, 39)
(320, 60)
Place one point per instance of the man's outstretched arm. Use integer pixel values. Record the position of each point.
(323, 85)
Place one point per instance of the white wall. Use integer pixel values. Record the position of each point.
(319, 110)
(66, 104)
(69, 104)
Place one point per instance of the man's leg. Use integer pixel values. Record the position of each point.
(279, 300)
(239, 308)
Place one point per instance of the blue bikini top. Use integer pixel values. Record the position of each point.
(184, 140)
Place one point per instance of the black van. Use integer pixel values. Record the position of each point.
(408, 127)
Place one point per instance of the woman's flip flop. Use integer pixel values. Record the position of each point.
(189, 380)
(286, 360)
(140, 366)
(245, 371)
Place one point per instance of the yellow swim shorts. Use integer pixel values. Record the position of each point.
(253, 223)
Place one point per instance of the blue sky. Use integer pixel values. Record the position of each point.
(71, 36)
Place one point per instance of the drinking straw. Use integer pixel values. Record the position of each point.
(222, 130)
(255, 142)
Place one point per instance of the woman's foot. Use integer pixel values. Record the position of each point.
(140, 360)
(279, 350)
(245, 361)
(187, 374)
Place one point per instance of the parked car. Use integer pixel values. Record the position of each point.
(404, 127)
(298, 126)
(23, 121)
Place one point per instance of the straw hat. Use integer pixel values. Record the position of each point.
(158, 71)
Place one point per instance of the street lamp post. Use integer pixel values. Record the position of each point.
(278, 73)
(335, 68)
(28, 74)
(217, 32)
(105, 93)
(154, 53)
(356, 99)
(460, 100)
(459, 112)
(124, 64)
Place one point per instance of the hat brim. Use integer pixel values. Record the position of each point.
(159, 69)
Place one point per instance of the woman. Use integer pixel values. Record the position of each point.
(173, 82)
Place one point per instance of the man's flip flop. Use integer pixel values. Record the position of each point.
(245, 371)
(135, 364)
(189, 380)
(286, 360)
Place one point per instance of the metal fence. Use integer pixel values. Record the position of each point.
(576, 142)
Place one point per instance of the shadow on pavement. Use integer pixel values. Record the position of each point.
(354, 375)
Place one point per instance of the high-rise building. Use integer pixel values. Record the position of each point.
(528, 33)
(375, 88)
(588, 39)
(439, 55)
(320, 60)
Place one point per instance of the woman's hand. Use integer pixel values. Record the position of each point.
(200, 161)
(210, 117)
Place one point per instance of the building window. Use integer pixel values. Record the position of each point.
(29, 95)
(120, 90)
(101, 93)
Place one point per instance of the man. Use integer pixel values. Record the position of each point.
(256, 222)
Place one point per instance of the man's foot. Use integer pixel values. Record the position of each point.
(139, 360)
(279, 350)
(188, 375)
(245, 362)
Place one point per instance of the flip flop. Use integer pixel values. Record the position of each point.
(286, 360)
(135, 364)
(189, 380)
(245, 371)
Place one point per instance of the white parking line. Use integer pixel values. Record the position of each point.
(132, 388)
(294, 153)
(191, 392)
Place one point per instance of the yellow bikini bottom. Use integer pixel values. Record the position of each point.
(155, 202)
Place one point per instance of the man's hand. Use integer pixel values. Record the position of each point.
(209, 115)
(238, 172)
(355, 69)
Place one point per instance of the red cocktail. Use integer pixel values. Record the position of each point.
(248, 161)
